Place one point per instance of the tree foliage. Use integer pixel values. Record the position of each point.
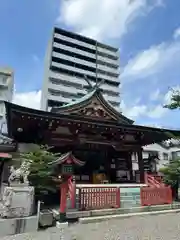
(40, 175)
(171, 173)
(175, 100)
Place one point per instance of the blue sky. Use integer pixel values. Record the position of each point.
(146, 31)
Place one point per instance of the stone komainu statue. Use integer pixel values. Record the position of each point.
(19, 175)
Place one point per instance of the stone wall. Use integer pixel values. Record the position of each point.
(18, 225)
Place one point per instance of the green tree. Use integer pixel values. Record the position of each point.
(171, 173)
(40, 175)
(172, 170)
(175, 100)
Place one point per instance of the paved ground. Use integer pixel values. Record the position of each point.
(162, 227)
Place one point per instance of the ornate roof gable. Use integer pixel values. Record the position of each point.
(93, 105)
(68, 158)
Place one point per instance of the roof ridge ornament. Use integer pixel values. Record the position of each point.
(96, 86)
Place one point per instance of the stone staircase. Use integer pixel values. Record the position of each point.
(130, 197)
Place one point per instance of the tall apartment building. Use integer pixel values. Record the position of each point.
(6, 88)
(69, 59)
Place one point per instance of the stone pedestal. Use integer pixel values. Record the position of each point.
(17, 201)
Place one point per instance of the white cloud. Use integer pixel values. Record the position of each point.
(155, 125)
(103, 19)
(176, 33)
(157, 112)
(136, 111)
(155, 95)
(160, 63)
(167, 97)
(144, 63)
(152, 61)
(28, 99)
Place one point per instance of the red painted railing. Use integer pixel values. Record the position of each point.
(154, 181)
(159, 178)
(99, 198)
(156, 196)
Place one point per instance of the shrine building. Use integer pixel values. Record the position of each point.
(94, 131)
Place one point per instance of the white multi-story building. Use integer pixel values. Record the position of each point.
(164, 154)
(6, 88)
(70, 58)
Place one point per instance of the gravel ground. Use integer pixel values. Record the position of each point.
(159, 227)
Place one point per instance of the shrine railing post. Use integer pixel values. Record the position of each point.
(63, 201)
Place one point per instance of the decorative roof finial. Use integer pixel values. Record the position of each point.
(96, 86)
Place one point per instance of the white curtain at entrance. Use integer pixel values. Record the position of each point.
(134, 159)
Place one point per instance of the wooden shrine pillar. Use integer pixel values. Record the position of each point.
(64, 191)
(141, 165)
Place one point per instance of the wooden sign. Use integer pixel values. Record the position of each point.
(67, 169)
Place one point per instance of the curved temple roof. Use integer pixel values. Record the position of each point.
(67, 158)
(5, 140)
(93, 104)
(91, 109)
(6, 145)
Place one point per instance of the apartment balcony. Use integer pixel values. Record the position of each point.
(74, 59)
(108, 69)
(71, 68)
(106, 77)
(3, 98)
(107, 87)
(58, 98)
(108, 60)
(107, 51)
(110, 98)
(74, 50)
(67, 78)
(72, 40)
(3, 84)
(116, 107)
(78, 82)
(66, 89)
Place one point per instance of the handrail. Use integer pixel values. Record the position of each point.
(152, 182)
(156, 196)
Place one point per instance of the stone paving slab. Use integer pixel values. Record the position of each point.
(151, 227)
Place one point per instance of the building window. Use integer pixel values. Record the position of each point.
(3, 78)
(111, 93)
(65, 83)
(165, 157)
(174, 155)
(153, 154)
(2, 109)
